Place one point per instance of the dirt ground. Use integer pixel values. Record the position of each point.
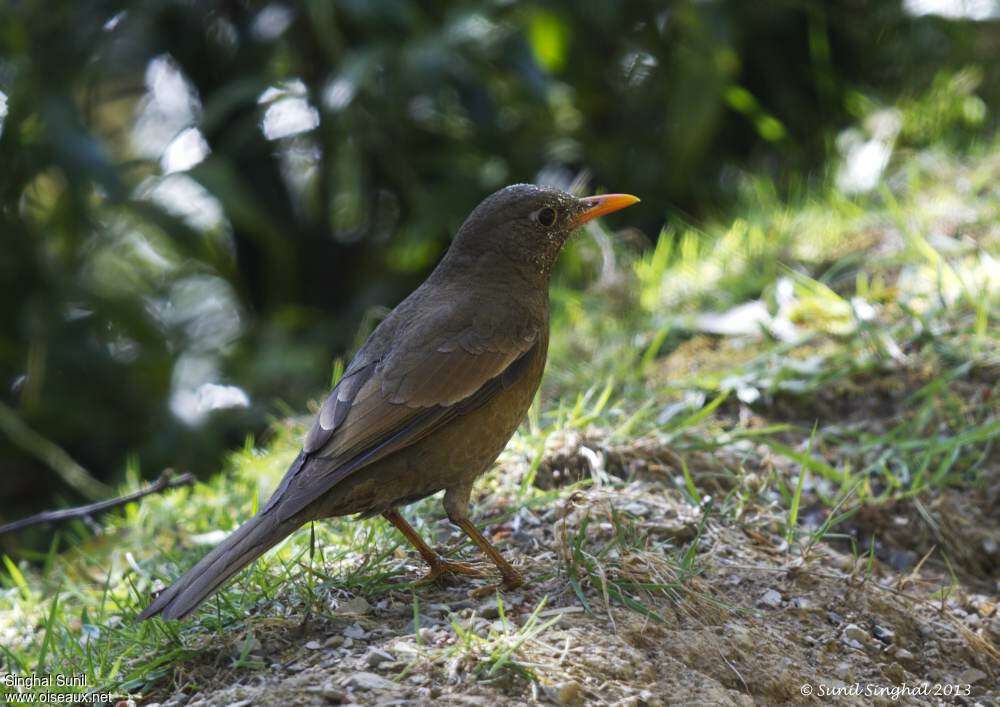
(749, 621)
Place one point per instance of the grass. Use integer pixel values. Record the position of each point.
(862, 375)
(497, 648)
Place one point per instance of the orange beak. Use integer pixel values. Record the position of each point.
(600, 205)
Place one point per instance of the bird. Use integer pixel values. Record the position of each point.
(431, 398)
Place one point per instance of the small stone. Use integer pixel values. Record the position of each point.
(489, 610)
(970, 676)
(375, 658)
(422, 621)
(332, 695)
(851, 643)
(568, 693)
(354, 605)
(313, 646)
(983, 606)
(368, 681)
(348, 642)
(355, 631)
(834, 618)
(904, 655)
(856, 633)
(636, 509)
(769, 599)
(802, 604)
(332, 660)
(885, 635)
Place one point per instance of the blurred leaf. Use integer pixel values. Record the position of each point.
(549, 36)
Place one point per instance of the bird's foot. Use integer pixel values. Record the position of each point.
(509, 583)
(442, 568)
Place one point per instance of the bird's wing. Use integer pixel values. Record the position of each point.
(428, 375)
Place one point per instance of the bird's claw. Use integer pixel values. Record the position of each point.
(449, 568)
(508, 584)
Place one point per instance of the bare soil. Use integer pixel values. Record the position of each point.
(758, 623)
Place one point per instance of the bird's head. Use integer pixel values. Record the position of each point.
(530, 224)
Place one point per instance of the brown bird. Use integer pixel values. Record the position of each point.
(433, 396)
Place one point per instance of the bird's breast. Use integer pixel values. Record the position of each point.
(469, 444)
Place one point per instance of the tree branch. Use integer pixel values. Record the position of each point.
(166, 481)
(54, 456)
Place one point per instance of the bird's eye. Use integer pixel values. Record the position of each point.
(546, 216)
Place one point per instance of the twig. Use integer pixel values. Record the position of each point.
(54, 456)
(166, 481)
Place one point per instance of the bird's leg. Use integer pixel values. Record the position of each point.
(456, 505)
(512, 579)
(439, 566)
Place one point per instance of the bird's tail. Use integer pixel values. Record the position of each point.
(243, 546)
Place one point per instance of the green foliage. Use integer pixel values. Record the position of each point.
(837, 306)
(950, 108)
(201, 195)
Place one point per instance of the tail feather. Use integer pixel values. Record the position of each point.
(247, 543)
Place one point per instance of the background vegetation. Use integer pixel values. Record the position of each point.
(202, 204)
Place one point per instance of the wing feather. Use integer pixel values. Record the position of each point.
(386, 402)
